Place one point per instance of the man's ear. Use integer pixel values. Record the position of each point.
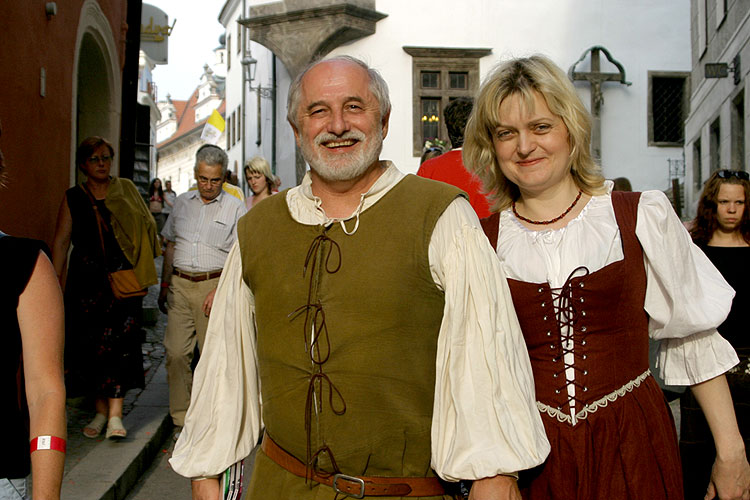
(384, 123)
(296, 133)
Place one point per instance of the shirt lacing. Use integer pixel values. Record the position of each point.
(324, 255)
(567, 313)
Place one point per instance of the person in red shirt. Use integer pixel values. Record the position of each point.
(449, 167)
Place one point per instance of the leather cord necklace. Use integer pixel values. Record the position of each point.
(545, 222)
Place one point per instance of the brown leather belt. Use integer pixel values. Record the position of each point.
(356, 486)
(197, 276)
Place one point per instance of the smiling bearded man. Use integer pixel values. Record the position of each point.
(355, 163)
(367, 311)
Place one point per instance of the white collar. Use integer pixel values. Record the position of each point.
(305, 207)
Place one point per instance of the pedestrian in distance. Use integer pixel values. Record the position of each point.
(199, 234)
(449, 167)
(261, 181)
(156, 203)
(112, 231)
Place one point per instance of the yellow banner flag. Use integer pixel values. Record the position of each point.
(213, 128)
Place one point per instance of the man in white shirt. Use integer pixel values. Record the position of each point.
(199, 234)
(375, 317)
(169, 198)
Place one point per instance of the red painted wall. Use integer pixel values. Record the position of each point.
(37, 131)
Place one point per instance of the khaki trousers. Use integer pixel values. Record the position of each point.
(186, 325)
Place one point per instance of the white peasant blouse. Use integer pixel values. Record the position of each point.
(686, 297)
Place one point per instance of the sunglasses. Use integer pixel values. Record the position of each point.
(728, 174)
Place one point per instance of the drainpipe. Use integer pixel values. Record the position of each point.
(273, 118)
(241, 173)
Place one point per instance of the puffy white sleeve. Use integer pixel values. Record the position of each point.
(223, 422)
(686, 297)
(485, 420)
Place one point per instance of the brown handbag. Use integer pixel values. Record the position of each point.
(123, 283)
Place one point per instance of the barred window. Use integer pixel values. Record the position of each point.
(668, 105)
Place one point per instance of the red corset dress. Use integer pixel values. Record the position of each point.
(611, 432)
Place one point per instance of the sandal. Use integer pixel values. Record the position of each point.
(115, 429)
(94, 428)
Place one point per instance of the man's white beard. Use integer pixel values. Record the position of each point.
(348, 166)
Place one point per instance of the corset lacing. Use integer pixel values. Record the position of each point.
(318, 346)
(567, 314)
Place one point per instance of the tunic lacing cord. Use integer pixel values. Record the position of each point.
(319, 346)
(567, 315)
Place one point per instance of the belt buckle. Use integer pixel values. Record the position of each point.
(351, 479)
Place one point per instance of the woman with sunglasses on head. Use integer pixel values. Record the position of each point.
(721, 229)
(593, 275)
(111, 230)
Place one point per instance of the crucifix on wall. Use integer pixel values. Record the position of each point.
(596, 77)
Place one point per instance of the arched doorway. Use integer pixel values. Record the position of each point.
(97, 87)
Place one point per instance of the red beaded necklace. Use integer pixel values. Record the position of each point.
(551, 221)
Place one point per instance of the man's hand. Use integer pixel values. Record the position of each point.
(495, 488)
(730, 479)
(209, 302)
(206, 489)
(162, 300)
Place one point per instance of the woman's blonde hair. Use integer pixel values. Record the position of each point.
(259, 165)
(525, 77)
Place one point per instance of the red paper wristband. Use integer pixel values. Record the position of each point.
(48, 443)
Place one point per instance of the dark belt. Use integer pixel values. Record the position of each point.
(197, 276)
(356, 486)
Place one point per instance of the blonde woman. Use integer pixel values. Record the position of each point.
(594, 274)
(261, 181)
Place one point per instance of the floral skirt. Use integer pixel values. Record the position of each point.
(103, 355)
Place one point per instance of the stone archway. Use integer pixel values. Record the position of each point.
(299, 31)
(96, 83)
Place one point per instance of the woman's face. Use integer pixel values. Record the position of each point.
(157, 183)
(730, 206)
(98, 165)
(531, 145)
(257, 182)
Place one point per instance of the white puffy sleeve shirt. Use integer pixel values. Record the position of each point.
(686, 297)
(485, 419)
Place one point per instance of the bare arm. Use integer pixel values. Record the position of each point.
(730, 477)
(40, 317)
(61, 243)
(206, 489)
(166, 275)
(495, 488)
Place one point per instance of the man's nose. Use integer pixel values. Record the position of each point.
(338, 124)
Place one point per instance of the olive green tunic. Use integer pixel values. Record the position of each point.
(361, 393)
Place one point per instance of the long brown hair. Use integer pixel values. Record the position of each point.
(705, 223)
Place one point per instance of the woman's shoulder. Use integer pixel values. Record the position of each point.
(19, 244)
(23, 253)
